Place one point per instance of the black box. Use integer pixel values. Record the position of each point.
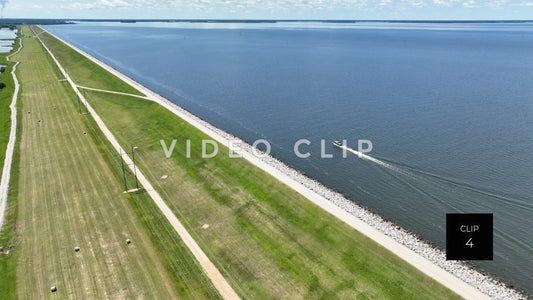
(469, 236)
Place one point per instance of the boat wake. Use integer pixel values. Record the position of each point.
(427, 183)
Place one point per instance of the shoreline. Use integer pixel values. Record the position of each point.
(458, 277)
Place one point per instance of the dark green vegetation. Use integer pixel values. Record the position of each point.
(13, 23)
(68, 187)
(8, 238)
(269, 241)
(11, 26)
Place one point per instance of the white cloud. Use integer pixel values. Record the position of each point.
(285, 5)
(77, 5)
(471, 4)
(99, 4)
(526, 4)
(498, 3)
(446, 3)
(269, 4)
(406, 4)
(418, 3)
(114, 3)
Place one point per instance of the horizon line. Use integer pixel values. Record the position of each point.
(270, 20)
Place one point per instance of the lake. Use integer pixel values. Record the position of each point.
(448, 106)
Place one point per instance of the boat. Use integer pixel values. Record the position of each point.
(338, 144)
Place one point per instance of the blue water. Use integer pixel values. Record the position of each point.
(448, 106)
(7, 38)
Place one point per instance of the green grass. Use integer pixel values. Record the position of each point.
(8, 232)
(288, 247)
(8, 237)
(70, 194)
(85, 72)
(269, 241)
(183, 270)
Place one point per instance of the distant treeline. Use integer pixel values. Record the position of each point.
(293, 20)
(12, 23)
(10, 26)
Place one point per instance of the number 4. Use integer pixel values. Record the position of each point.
(469, 243)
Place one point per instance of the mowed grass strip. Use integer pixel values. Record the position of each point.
(269, 241)
(184, 271)
(70, 195)
(83, 71)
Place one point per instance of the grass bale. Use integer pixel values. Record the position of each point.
(53, 289)
(128, 241)
(77, 249)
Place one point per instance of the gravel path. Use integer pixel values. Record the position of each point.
(220, 283)
(110, 92)
(6, 172)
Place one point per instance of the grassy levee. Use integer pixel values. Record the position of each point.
(269, 241)
(70, 194)
(85, 72)
(7, 234)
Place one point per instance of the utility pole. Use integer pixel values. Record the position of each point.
(86, 112)
(123, 171)
(134, 166)
(79, 105)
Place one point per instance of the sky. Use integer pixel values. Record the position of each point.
(271, 9)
